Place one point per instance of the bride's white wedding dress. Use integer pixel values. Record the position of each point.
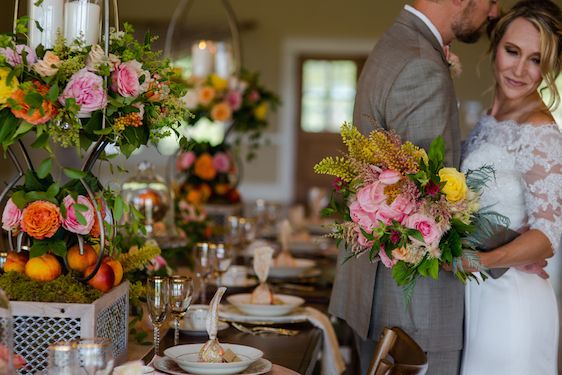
(511, 323)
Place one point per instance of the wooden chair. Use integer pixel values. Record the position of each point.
(407, 356)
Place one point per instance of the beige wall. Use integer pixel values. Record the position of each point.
(267, 26)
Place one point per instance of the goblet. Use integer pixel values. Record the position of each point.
(181, 293)
(223, 255)
(204, 265)
(96, 356)
(157, 302)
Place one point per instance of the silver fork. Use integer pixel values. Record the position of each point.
(262, 330)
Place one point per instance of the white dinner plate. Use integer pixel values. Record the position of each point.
(230, 313)
(300, 268)
(261, 366)
(187, 357)
(286, 304)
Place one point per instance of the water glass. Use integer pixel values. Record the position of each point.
(223, 258)
(157, 297)
(205, 262)
(180, 295)
(96, 356)
(63, 359)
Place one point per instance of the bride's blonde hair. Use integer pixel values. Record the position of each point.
(547, 18)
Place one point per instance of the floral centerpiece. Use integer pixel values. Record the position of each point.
(401, 206)
(241, 102)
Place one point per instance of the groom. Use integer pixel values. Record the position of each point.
(406, 86)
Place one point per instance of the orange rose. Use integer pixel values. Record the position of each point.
(36, 117)
(204, 168)
(221, 112)
(40, 219)
(194, 196)
(222, 189)
(205, 95)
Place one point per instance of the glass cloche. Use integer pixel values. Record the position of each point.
(149, 194)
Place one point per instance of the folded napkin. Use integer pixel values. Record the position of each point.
(263, 257)
(332, 359)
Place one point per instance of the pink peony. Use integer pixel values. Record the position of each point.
(387, 214)
(370, 197)
(364, 219)
(389, 177)
(14, 57)
(70, 222)
(87, 89)
(221, 162)
(234, 99)
(125, 79)
(426, 226)
(388, 263)
(185, 161)
(11, 217)
(403, 205)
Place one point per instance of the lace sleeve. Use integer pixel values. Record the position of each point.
(540, 158)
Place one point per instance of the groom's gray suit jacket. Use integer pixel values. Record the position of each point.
(405, 86)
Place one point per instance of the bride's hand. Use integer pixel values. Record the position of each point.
(536, 268)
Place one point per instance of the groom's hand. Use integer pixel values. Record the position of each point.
(536, 268)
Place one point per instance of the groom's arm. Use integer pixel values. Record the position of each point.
(418, 105)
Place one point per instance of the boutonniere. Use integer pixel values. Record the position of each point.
(454, 62)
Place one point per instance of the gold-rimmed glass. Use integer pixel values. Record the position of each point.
(180, 296)
(95, 355)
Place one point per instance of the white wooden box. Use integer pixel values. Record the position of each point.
(38, 324)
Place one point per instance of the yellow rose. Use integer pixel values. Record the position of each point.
(6, 90)
(261, 111)
(219, 83)
(455, 188)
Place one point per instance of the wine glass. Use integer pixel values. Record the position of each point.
(96, 356)
(181, 293)
(63, 359)
(157, 301)
(204, 265)
(223, 255)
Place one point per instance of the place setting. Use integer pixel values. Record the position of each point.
(212, 357)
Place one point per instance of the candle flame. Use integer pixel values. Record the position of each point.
(202, 44)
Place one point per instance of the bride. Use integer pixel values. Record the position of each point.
(512, 322)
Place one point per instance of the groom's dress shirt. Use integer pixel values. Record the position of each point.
(427, 22)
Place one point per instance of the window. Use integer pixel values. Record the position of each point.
(327, 92)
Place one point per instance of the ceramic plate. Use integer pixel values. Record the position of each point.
(187, 357)
(286, 304)
(261, 366)
(231, 314)
(301, 267)
(187, 329)
(146, 370)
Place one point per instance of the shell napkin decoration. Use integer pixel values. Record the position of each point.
(212, 351)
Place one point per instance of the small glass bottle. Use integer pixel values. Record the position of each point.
(82, 21)
(63, 359)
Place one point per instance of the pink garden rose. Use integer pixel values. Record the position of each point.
(70, 222)
(254, 96)
(125, 79)
(388, 263)
(11, 217)
(157, 263)
(221, 162)
(361, 240)
(87, 89)
(387, 214)
(403, 205)
(427, 227)
(185, 161)
(14, 57)
(370, 197)
(389, 177)
(234, 99)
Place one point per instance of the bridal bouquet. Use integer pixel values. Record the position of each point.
(401, 206)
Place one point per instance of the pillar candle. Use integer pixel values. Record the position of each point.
(81, 21)
(201, 58)
(223, 60)
(49, 15)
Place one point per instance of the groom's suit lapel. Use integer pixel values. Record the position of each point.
(412, 21)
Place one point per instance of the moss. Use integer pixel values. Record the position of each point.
(64, 289)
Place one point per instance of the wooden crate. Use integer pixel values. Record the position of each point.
(38, 324)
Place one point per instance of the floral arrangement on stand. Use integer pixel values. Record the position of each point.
(240, 101)
(400, 205)
(78, 96)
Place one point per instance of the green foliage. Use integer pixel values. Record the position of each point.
(64, 289)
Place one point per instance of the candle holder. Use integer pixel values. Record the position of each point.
(45, 22)
(82, 21)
